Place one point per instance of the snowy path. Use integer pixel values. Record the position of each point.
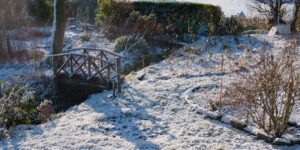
(143, 118)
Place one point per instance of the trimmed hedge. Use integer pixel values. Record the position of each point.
(184, 17)
(174, 19)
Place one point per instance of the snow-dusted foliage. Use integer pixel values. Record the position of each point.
(136, 50)
(17, 105)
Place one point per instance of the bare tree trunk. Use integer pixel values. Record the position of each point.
(293, 24)
(4, 47)
(59, 23)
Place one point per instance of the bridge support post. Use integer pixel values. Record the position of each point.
(114, 89)
(118, 62)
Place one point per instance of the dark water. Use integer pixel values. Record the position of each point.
(72, 92)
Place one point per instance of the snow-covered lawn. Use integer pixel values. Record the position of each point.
(149, 115)
(15, 70)
(152, 113)
(11, 72)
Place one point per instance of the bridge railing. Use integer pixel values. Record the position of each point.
(90, 65)
(100, 53)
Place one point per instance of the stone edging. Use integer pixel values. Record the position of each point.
(286, 140)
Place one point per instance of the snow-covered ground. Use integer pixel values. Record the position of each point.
(152, 113)
(15, 70)
(9, 72)
(146, 116)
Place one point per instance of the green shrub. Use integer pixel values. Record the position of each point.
(85, 37)
(130, 43)
(136, 50)
(17, 105)
(179, 18)
(42, 9)
(111, 17)
(255, 24)
(298, 22)
(171, 20)
(113, 12)
(232, 26)
(147, 25)
(190, 50)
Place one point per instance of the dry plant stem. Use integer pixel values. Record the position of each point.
(269, 91)
(221, 84)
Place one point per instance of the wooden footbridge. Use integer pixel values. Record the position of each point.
(89, 66)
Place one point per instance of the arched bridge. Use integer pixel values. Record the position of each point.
(90, 66)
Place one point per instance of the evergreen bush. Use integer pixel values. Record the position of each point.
(17, 105)
(172, 20)
(42, 9)
(232, 26)
(136, 50)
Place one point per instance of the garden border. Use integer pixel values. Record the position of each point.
(285, 140)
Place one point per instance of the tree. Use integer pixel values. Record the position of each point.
(271, 9)
(59, 23)
(295, 15)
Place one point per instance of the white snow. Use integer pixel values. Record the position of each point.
(11, 72)
(153, 113)
(142, 118)
(280, 29)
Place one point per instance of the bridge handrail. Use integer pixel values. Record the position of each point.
(76, 54)
(95, 49)
(114, 65)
